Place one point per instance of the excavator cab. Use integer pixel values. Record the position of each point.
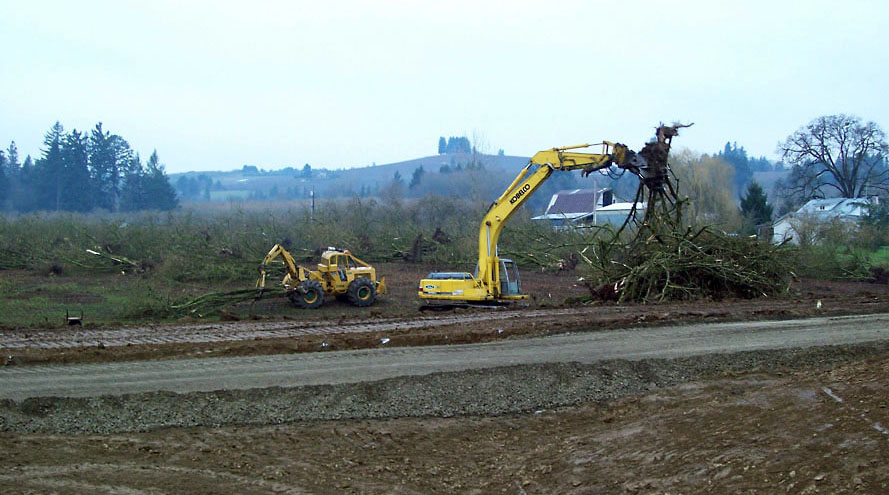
(510, 284)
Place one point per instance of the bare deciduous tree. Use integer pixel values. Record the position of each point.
(837, 153)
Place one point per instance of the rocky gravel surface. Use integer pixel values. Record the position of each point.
(494, 391)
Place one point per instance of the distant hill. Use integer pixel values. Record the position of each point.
(473, 177)
(384, 173)
(293, 183)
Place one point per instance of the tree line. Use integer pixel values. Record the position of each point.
(80, 171)
(454, 145)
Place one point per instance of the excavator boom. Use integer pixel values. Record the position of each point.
(497, 279)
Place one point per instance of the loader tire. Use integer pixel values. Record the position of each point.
(362, 292)
(308, 295)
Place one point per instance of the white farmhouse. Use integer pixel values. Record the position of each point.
(789, 227)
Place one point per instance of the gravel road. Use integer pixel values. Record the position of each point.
(330, 368)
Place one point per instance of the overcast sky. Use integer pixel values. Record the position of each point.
(214, 85)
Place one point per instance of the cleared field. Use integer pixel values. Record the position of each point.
(799, 423)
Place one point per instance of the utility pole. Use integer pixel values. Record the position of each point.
(595, 200)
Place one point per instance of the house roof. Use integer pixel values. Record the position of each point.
(571, 201)
(835, 207)
(622, 208)
(826, 209)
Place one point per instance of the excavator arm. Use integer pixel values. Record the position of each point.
(486, 284)
(528, 181)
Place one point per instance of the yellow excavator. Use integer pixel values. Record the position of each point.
(497, 279)
(339, 274)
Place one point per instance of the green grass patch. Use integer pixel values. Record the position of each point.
(880, 256)
(39, 301)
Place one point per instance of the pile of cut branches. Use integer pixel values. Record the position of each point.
(686, 264)
(213, 302)
(657, 256)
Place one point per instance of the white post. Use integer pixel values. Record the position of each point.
(595, 200)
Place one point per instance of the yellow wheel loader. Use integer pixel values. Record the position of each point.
(340, 274)
(496, 279)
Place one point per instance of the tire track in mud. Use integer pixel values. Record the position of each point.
(250, 330)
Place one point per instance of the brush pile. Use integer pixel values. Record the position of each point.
(659, 257)
(686, 264)
(213, 302)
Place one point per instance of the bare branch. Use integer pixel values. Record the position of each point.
(838, 152)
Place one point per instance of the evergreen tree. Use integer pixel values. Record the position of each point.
(442, 145)
(23, 185)
(162, 193)
(76, 172)
(4, 181)
(46, 185)
(416, 177)
(737, 158)
(133, 193)
(12, 156)
(76, 194)
(110, 155)
(15, 189)
(755, 206)
(102, 165)
(148, 187)
(458, 145)
(761, 164)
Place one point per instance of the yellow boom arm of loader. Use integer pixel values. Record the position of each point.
(293, 270)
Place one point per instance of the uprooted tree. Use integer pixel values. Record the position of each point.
(659, 255)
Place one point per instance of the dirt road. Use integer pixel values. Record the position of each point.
(294, 370)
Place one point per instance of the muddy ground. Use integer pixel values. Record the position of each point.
(549, 291)
(798, 422)
(813, 421)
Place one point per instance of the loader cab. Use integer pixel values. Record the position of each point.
(342, 267)
(510, 284)
(337, 263)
